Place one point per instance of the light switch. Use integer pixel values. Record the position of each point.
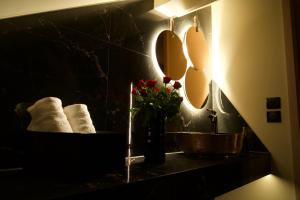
(273, 116)
(273, 103)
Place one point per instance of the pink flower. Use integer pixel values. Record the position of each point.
(177, 85)
(167, 79)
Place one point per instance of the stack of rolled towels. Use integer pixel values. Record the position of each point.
(48, 115)
(79, 118)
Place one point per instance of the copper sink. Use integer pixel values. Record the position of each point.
(210, 143)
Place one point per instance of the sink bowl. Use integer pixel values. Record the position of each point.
(210, 143)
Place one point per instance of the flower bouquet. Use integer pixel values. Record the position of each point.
(156, 101)
(155, 104)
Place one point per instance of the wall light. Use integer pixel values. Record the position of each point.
(178, 8)
(171, 9)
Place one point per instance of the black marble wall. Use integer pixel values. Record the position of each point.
(88, 55)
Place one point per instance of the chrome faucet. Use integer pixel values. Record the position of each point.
(213, 119)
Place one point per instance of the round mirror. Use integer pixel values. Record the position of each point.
(196, 80)
(197, 47)
(169, 55)
(196, 87)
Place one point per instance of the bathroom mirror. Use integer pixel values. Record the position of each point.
(196, 78)
(196, 87)
(169, 55)
(197, 48)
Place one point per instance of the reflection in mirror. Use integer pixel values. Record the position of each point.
(196, 87)
(170, 56)
(197, 48)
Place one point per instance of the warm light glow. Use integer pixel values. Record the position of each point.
(156, 66)
(165, 11)
(179, 8)
(182, 93)
(215, 52)
(267, 187)
(186, 103)
(171, 9)
(218, 72)
(185, 51)
(217, 95)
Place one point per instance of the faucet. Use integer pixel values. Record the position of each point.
(213, 119)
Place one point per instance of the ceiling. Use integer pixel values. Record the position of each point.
(178, 8)
(168, 8)
(13, 8)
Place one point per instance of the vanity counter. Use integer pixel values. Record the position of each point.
(180, 177)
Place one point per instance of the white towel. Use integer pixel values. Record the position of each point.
(79, 118)
(47, 115)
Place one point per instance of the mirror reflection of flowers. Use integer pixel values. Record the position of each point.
(155, 101)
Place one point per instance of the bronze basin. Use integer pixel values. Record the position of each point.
(210, 143)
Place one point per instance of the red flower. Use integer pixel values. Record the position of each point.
(140, 84)
(134, 91)
(177, 85)
(156, 89)
(144, 92)
(151, 83)
(167, 79)
(168, 90)
(152, 98)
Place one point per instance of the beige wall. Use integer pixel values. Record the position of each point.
(11, 8)
(250, 65)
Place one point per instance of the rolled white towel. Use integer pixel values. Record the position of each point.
(47, 115)
(79, 118)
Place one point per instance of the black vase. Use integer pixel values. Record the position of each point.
(154, 152)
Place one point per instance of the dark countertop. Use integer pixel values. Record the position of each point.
(178, 176)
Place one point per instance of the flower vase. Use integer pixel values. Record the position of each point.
(155, 140)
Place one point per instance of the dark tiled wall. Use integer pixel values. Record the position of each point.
(85, 55)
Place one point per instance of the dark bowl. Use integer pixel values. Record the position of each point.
(74, 153)
(210, 143)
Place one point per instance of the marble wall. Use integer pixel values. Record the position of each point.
(89, 55)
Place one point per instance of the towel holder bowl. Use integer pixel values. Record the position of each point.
(74, 153)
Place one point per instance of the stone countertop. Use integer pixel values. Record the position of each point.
(179, 177)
